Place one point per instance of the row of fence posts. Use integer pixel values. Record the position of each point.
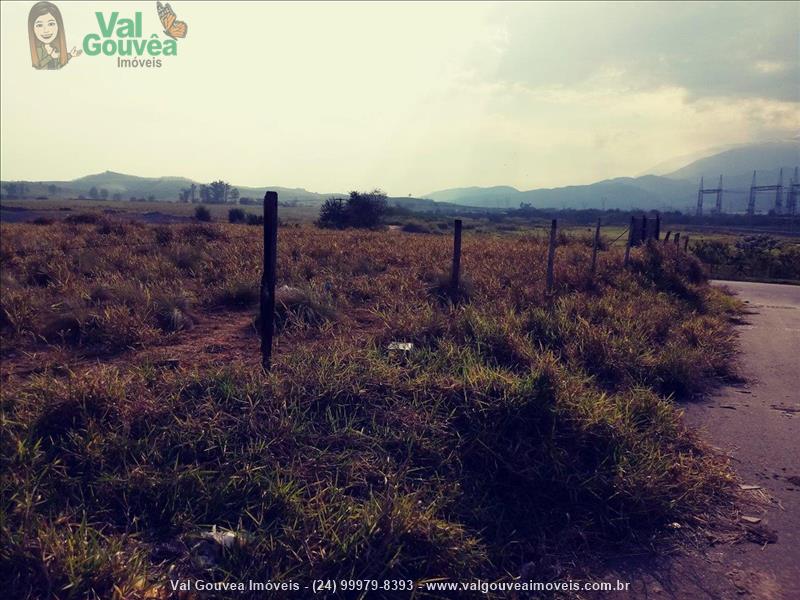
(677, 238)
(639, 231)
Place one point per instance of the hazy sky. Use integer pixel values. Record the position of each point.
(409, 97)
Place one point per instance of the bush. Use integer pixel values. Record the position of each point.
(236, 215)
(754, 256)
(298, 308)
(173, 313)
(333, 214)
(415, 228)
(201, 213)
(255, 219)
(361, 209)
(238, 294)
(82, 219)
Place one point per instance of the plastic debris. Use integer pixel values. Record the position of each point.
(402, 346)
(747, 519)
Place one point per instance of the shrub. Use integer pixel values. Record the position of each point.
(163, 235)
(361, 209)
(238, 294)
(255, 219)
(173, 313)
(201, 213)
(333, 214)
(415, 228)
(440, 286)
(298, 308)
(236, 215)
(753, 256)
(83, 219)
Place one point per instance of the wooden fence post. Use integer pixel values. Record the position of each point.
(455, 273)
(268, 277)
(666, 237)
(686, 243)
(551, 254)
(595, 244)
(631, 227)
(677, 237)
(643, 237)
(658, 226)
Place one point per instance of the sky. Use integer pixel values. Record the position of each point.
(408, 97)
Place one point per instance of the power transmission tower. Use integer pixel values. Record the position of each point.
(754, 189)
(717, 191)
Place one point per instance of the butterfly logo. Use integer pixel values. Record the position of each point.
(172, 27)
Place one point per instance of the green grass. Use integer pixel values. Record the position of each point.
(522, 425)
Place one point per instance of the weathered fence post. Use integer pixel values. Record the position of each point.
(595, 244)
(677, 238)
(268, 277)
(666, 237)
(455, 274)
(658, 226)
(686, 243)
(551, 254)
(631, 227)
(643, 236)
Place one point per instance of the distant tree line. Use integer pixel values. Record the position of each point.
(15, 189)
(216, 192)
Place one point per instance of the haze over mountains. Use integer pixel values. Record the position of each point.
(675, 190)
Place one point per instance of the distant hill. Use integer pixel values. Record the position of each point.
(162, 188)
(498, 195)
(648, 192)
(675, 190)
(769, 156)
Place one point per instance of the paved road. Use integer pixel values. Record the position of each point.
(758, 424)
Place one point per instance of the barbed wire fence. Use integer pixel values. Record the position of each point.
(638, 231)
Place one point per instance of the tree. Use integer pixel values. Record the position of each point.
(365, 209)
(93, 194)
(361, 209)
(103, 193)
(233, 195)
(151, 198)
(52, 189)
(205, 195)
(12, 189)
(116, 197)
(218, 191)
(333, 214)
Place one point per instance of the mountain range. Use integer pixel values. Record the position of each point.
(676, 189)
(673, 190)
(159, 188)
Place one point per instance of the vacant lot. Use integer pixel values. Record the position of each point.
(522, 432)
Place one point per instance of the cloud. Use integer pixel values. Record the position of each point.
(746, 50)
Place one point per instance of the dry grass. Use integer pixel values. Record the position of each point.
(520, 426)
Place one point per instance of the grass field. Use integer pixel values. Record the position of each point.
(522, 431)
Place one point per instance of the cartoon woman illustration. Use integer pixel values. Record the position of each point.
(46, 34)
